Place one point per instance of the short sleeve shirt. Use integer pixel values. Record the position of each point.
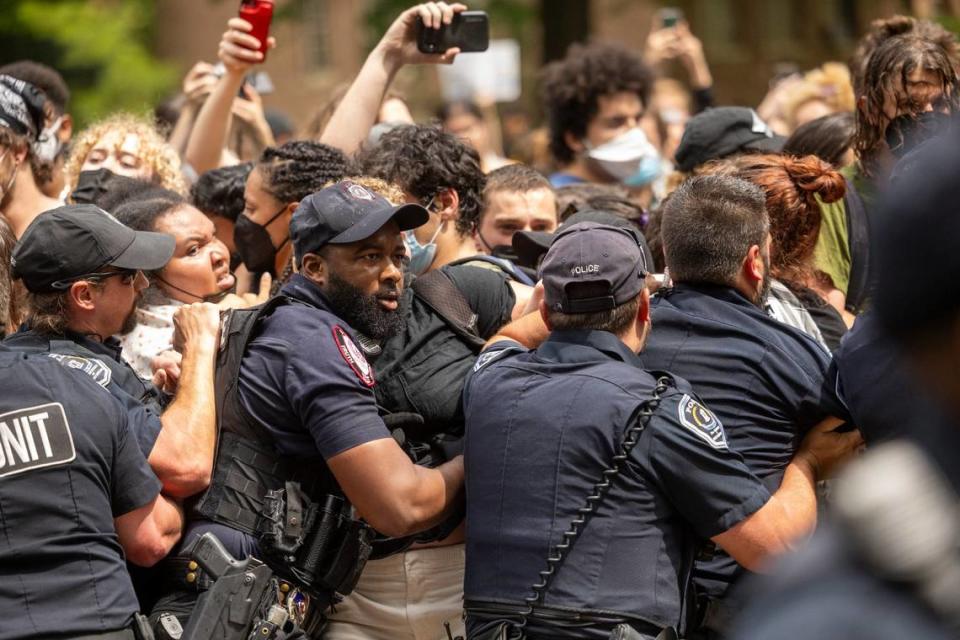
(70, 465)
(541, 427)
(307, 382)
(104, 364)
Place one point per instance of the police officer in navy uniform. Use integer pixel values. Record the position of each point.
(77, 497)
(842, 585)
(543, 428)
(303, 401)
(767, 382)
(83, 273)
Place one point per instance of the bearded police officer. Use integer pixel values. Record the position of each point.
(298, 413)
(590, 482)
(76, 496)
(83, 273)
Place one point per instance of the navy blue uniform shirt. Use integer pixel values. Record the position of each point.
(104, 364)
(68, 466)
(768, 383)
(305, 380)
(541, 426)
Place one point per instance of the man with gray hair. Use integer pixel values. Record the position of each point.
(767, 382)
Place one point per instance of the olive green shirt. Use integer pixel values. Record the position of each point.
(832, 253)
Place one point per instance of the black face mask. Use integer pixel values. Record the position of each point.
(254, 244)
(90, 186)
(905, 133)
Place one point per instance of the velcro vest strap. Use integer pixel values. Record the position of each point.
(439, 292)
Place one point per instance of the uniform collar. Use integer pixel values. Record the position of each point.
(717, 291)
(557, 346)
(109, 347)
(304, 290)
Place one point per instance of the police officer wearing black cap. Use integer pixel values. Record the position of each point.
(297, 410)
(767, 382)
(591, 482)
(886, 566)
(83, 273)
(77, 497)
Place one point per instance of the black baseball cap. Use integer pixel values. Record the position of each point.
(347, 212)
(64, 244)
(592, 267)
(530, 246)
(722, 131)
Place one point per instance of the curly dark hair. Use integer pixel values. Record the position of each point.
(886, 74)
(423, 161)
(571, 88)
(219, 192)
(45, 78)
(296, 169)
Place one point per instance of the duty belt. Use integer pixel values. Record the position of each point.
(560, 617)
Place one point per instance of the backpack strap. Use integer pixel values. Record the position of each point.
(509, 269)
(858, 228)
(439, 292)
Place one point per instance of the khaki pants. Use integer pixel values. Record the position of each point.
(407, 596)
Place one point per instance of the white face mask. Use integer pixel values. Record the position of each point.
(621, 157)
(48, 145)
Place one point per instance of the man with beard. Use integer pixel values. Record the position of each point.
(298, 412)
(83, 273)
(768, 383)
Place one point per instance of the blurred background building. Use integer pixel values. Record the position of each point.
(132, 53)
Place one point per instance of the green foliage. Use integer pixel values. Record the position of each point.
(100, 47)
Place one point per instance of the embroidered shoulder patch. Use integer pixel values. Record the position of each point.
(93, 367)
(487, 357)
(702, 422)
(352, 354)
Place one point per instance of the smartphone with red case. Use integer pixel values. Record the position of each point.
(259, 13)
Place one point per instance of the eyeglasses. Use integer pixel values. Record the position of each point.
(127, 278)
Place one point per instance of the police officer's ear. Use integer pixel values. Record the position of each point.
(81, 296)
(314, 267)
(753, 265)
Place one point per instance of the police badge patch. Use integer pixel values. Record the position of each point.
(702, 422)
(93, 367)
(489, 356)
(352, 354)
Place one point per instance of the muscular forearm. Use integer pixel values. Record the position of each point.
(209, 134)
(529, 330)
(183, 455)
(789, 515)
(150, 533)
(357, 112)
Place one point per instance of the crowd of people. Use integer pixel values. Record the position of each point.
(418, 381)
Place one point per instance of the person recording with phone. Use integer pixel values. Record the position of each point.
(233, 99)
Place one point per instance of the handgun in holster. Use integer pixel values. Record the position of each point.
(241, 604)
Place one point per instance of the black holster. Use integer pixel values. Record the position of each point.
(321, 548)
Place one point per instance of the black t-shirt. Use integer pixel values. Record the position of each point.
(422, 370)
(69, 465)
(827, 319)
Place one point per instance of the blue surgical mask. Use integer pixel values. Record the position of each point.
(421, 255)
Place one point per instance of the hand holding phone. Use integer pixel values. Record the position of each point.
(247, 38)
(398, 46)
(469, 31)
(259, 14)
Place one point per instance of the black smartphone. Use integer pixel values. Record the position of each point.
(669, 17)
(469, 31)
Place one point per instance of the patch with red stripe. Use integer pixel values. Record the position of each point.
(352, 354)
